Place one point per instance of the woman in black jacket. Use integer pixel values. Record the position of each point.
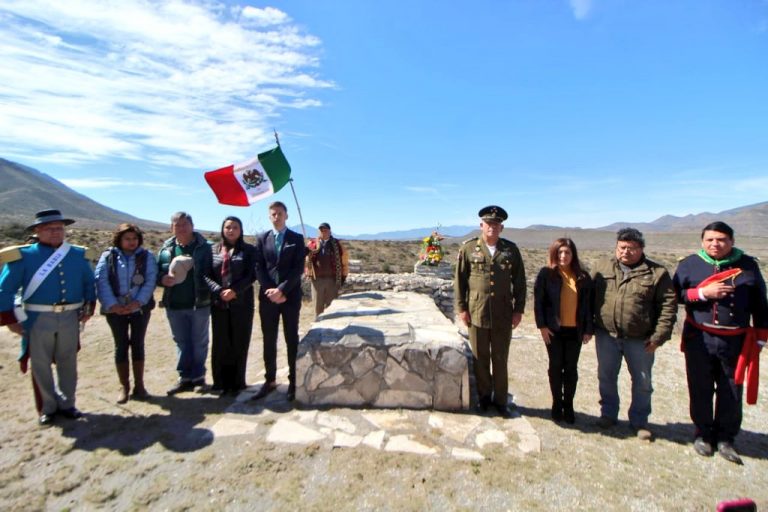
(231, 283)
(563, 309)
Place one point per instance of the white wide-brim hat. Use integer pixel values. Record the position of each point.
(180, 267)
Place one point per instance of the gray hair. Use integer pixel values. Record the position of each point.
(176, 217)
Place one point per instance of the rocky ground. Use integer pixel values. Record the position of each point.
(200, 452)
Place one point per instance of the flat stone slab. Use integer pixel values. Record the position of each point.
(233, 427)
(383, 349)
(288, 431)
(457, 435)
(404, 443)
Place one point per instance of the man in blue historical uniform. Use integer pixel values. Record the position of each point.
(57, 292)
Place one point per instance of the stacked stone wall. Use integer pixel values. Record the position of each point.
(441, 290)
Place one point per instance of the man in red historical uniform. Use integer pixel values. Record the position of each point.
(726, 318)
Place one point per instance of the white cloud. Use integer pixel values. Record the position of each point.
(165, 82)
(580, 8)
(108, 182)
(265, 17)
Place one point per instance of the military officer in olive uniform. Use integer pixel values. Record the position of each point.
(490, 299)
(57, 293)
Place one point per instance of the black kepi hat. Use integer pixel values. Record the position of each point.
(46, 216)
(493, 214)
(324, 225)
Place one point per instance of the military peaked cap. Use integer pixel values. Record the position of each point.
(493, 214)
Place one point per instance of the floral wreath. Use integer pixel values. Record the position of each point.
(431, 251)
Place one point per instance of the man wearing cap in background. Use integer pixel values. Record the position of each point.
(490, 292)
(326, 267)
(58, 292)
(183, 262)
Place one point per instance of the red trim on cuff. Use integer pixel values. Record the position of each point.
(692, 294)
(7, 317)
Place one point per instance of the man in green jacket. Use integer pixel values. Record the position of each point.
(490, 299)
(635, 310)
(186, 299)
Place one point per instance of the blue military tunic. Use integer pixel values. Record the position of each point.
(71, 281)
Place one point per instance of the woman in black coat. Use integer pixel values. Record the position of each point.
(563, 309)
(231, 283)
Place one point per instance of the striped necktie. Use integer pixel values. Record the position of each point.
(278, 243)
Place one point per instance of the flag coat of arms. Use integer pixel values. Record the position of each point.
(245, 183)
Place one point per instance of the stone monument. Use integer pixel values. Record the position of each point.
(383, 349)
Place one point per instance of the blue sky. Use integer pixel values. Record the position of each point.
(395, 114)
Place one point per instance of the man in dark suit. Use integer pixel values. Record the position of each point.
(279, 266)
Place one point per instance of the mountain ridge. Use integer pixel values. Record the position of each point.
(27, 191)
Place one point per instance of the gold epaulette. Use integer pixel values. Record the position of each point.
(11, 253)
(90, 254)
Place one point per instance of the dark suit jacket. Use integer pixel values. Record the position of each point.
(242, 269)
(546, 301)
(283, 273)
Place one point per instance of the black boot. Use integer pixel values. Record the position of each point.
(568, 415)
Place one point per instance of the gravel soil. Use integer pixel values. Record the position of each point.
(160, 454)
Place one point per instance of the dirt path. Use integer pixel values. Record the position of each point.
(162, 454)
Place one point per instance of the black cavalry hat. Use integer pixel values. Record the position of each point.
(493, 214)
(46, 216)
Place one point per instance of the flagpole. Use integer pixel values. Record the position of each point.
(296, 199)
(298, 208)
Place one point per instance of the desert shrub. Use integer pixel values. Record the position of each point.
(14, 231)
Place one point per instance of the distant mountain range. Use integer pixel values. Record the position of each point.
(408, 234)
(26, 191)
(750, 220)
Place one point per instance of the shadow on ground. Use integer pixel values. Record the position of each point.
(177, 431)
(749, 444)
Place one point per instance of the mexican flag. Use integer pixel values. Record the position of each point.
(244, 184)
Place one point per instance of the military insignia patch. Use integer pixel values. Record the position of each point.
(252, 178)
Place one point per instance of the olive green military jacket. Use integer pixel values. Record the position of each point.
(490, 288)
(641, 305)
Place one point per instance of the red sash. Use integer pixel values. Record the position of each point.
(748, 363)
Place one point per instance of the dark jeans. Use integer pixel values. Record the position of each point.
(271, 314)
(129, 331)
(231, 328)
(710, 363)
(563, 350)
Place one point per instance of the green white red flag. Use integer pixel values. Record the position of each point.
(244, 184)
